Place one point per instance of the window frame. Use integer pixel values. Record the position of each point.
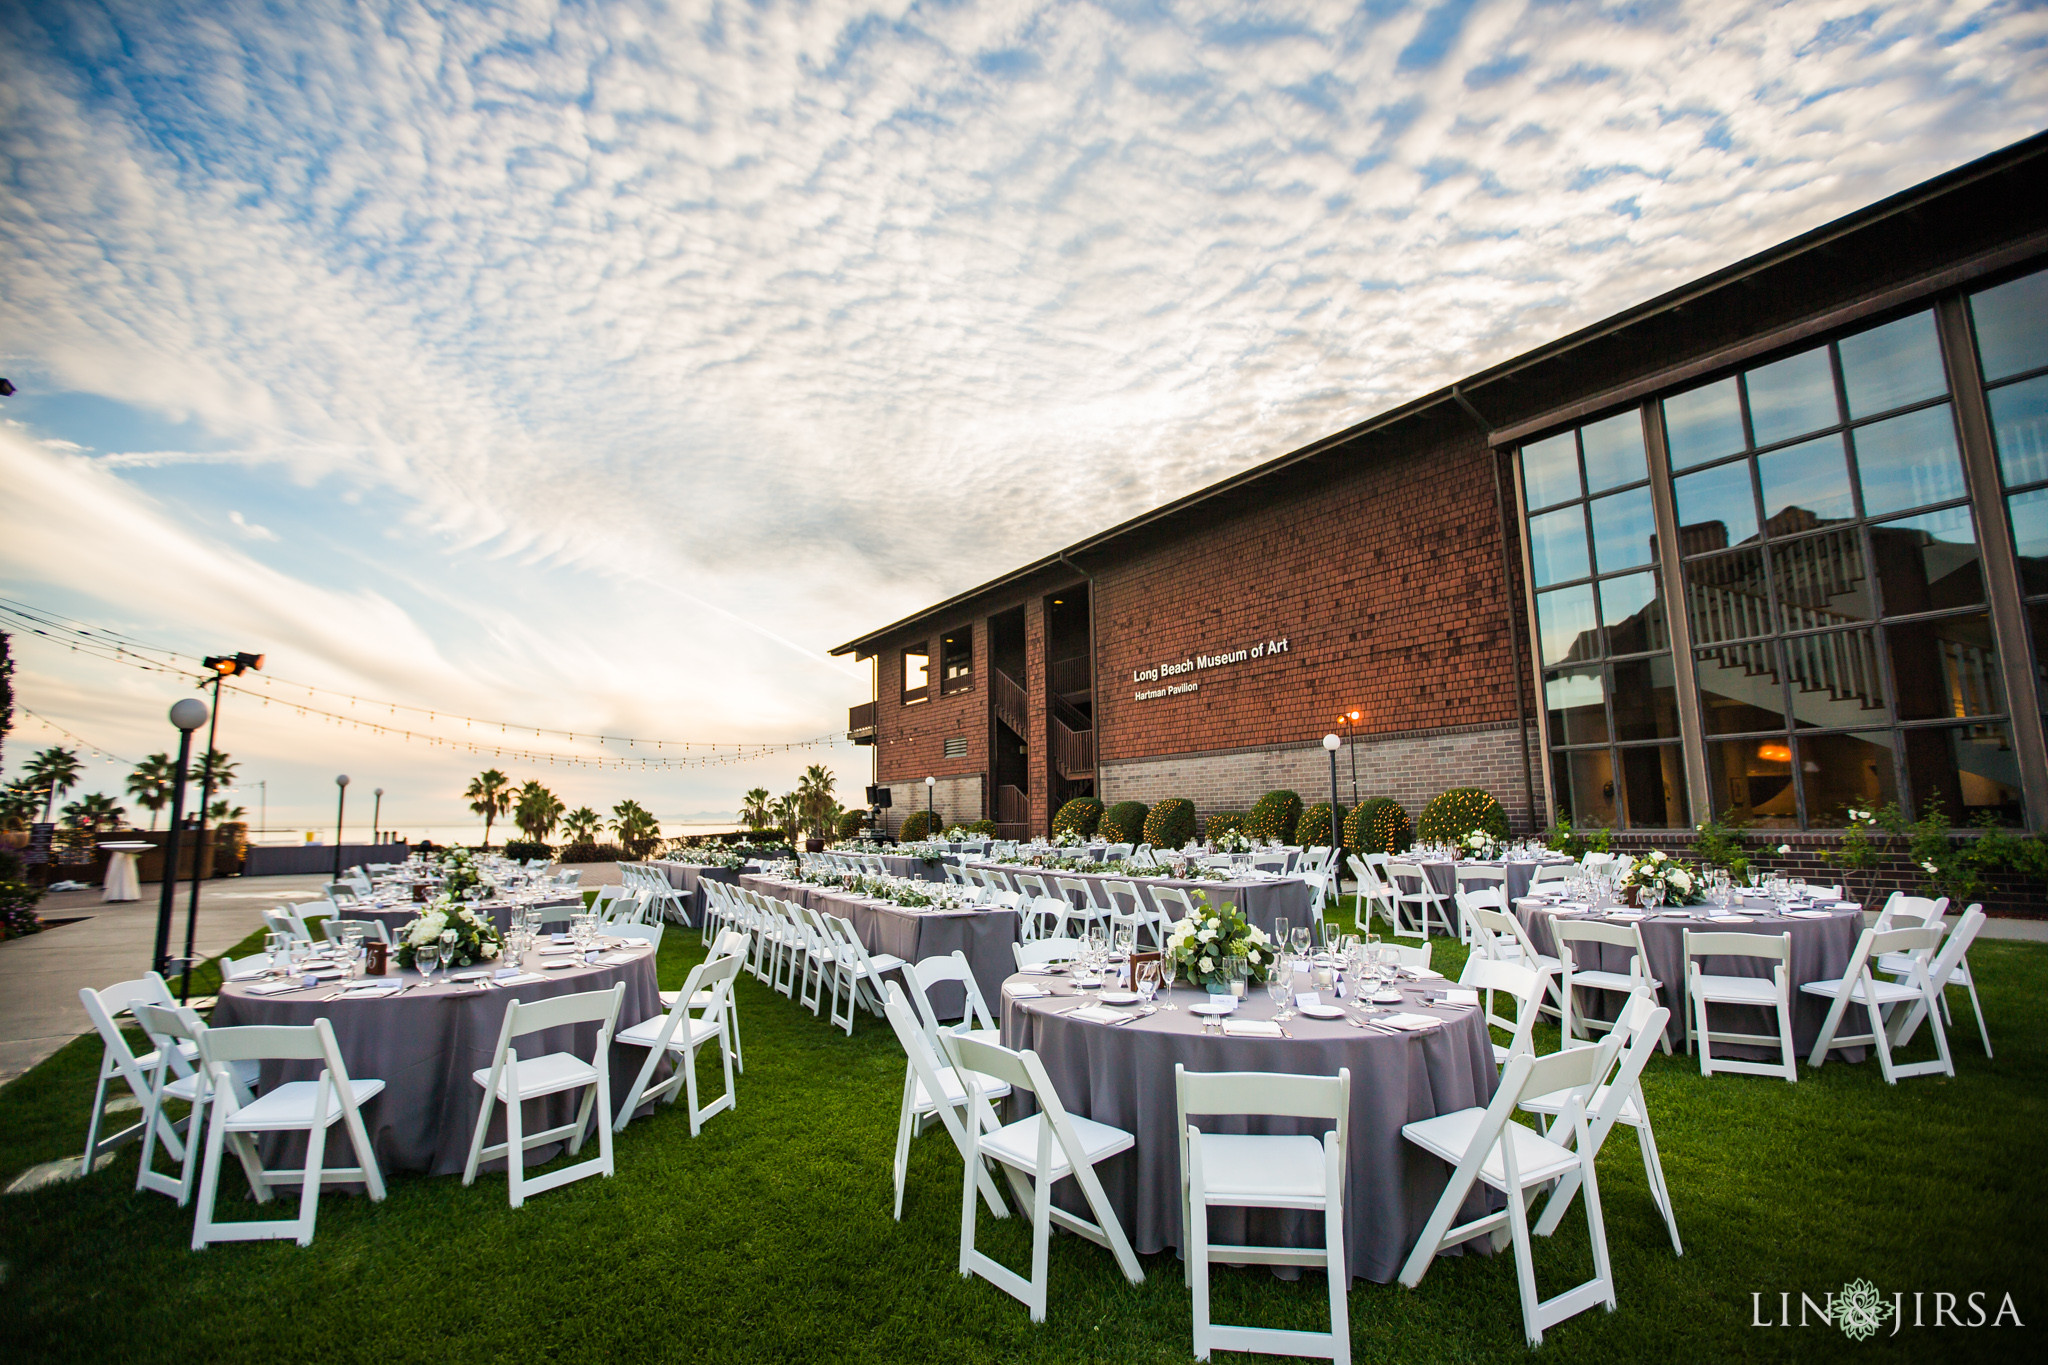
(910, 696)
(948, 684)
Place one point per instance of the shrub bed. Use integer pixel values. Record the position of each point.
(1274, 816)
(587, 852)
(1314, 827)
(1171, 823)
(1448, 818)
(916, 826)
(525, 850)
(1081, 816)
(1123, 823)
(1379, 825)
(1222, 823)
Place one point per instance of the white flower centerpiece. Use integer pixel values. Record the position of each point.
(1235, 841)
(1067, 838)
(1481, 845)
(1202, 942)
(476, 938)
(1672, 882)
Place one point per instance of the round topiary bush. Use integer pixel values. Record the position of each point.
(526, 850)
(1274, 816)
(1378, 826)
(1171, 823)
(917, 826)
(1123, 823)
(1079, 816)
(987, 827)
(1222, 823)
(1314, 829)
(1448, 818)
(850, 823)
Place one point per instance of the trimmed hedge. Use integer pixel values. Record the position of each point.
(1314, 827)
(987, 827)
(1123, 823)
(850, 823)
(1171, 823)
(587, 852)
(521, 850)
(1455, 814)
(1379, 825)
(1274, 816)
(917, 825)
(1222, 823)
(1079, 816)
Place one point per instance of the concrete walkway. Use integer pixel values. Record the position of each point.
(40, 975)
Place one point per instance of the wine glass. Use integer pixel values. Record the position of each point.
(426, 957)
(448, 947)
(274, 950)
(1148, 981)
(1280, 931)
(1169, 970)
(1298, 939)
(1279, 981)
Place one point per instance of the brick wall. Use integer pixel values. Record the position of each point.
(1383, 573)
(911, 739)
(957, 800)
(1411, 768)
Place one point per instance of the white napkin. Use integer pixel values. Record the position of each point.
(1411, 1023)
(1251, 1028)
(614, 959)
(1813, 914)
(565, 948)
(522, 979)
(278, 987)
(368, 992)
(1102, 1014)
(1729, 919)
(1425, 974)
(1025, 992)
(1461, 997)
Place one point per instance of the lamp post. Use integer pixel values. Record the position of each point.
(376, 814)
(340, 809)
(1351, 719)
(1330, 742)
(930, 816)
(188, 715)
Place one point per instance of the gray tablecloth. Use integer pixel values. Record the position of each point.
(1821, 949)
(1261, 901)
(425, 1044)
(1123, 1075)
(913, 935)
(398, 917)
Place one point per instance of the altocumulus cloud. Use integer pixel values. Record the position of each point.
(819, 310)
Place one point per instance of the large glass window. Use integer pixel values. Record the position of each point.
(917, 672)
(1609, 691)
(2011, 325)
(956, 661)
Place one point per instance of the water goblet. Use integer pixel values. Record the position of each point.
(1148, 982)
(426, 957)
(448, 937)
(1298, 938)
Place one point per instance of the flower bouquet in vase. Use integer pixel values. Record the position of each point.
(1661, 880)
(476, 938)
(1203, 941)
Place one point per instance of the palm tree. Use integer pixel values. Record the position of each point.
(54, 771)
(814, 794)
(150, 784)
(18, 803)
(490, 795)
(221, 811)
(582, 825)
(754, 809)
(537, 812)
(215, 772)
(93, 812)
(788, 814)
(637, 828)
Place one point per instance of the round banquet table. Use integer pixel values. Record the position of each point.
(425, 1044)
(1821, 949)
(1261, 899)
(1123, 1075)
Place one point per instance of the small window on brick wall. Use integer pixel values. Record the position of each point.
(956, 746)
(917, 672)
(956, 661)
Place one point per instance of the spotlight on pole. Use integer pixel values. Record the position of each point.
(340, 809)
(188, 714)
(1332, 743)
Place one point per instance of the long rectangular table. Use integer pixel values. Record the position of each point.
(1262, 901)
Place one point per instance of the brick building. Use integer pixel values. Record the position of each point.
(1833, 454)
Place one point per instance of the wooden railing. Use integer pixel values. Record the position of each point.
(1013, 807)
(1073, 752)
(1070, 675)
(860, 722)
(1011, 705)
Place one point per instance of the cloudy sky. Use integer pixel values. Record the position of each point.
(602, 365)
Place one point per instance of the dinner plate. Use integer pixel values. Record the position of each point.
(1119, 997)
(557, 966)
(469, 976)
(1227, 1005)
(1390, 998)
(1322, 1011)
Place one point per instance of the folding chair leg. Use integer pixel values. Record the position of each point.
(1977, 1008)
(1660, 1191)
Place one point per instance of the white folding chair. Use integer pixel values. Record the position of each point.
(1552, 872)
(1905, 912)
(676, 1035)
(1618, 1099)
(1773, 993)
(511, 1080)
(730, 943)
(1949, 967)
(932, 1085)
(1490, 884)
(1579, 943)
(1249, 1170)
(333, 927)
(117, 1058)
(1486, 1146)
(311, 1107)
(1426, 902)
(291, 919)
(1041, 952)
(865, 969)
(1859, 986)
(928, 972)
(1896, 965)
(1088, 902)
(1522, 984)
(1036, 1153)
(1509, 941)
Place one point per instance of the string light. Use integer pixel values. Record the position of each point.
(117, 648)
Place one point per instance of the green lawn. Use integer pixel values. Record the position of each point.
(768, 1237)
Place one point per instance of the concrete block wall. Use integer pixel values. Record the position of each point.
(957, 799)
